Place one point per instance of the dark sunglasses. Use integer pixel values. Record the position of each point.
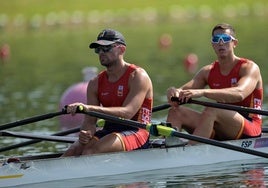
(224, 37)
(104, 49)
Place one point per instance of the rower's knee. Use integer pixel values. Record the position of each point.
(209, 112)
(74, 150)
(174, 118)
(90, 149)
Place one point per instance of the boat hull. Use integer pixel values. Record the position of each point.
(44, 170)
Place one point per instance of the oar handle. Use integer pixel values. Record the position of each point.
(154, 109)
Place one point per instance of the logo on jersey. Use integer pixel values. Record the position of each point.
(120, 91)
(145, 115)
(104, 93)
(216, 85)
(257, 105)
(233, 81)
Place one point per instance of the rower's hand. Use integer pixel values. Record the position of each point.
(84, 137)
(186, 95)
(171, 93)
(75, 108)
(178, 97)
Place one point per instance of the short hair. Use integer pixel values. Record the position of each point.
(224, 26)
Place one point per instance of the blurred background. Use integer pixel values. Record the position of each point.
(44, 49)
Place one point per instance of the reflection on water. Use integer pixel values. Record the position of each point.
(235, 174)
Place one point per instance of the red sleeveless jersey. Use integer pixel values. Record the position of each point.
(218, 81)
(113, 94)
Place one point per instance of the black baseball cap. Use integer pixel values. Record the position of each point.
(108, 37)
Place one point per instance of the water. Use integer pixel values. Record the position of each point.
(235, 174)
(32, 84)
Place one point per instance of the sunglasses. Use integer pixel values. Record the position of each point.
(104, 49)
(224, 37)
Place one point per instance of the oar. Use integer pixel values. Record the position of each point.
(61, 133)
(26, 143)
(31, 120)
(160, 107)
(65, 139)
(265, 129)
(167, 131)
(54, 114)
(223, 106)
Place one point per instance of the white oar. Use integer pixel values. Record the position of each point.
(29, 142)
(65, 139)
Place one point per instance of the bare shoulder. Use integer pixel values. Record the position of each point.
(250, 66)
(207, 67)
(93, 85)
(203, 72)
(140, 73)
(251, 70)
(250, 63)
(140, 81)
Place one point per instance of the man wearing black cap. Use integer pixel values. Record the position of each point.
(124, 90)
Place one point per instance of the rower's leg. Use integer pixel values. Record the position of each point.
(183, 118)
(226, 123)
(108, 143)
(74, 150)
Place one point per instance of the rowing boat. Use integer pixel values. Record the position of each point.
(35, 170)
(41, 169)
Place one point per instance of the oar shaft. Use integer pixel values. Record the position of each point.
(121, 120)
(31, 120)
(65, 139)
(224, 106)
(26, 143)
(219, 144)
(61, 133)
(230, 107)
(51, 115)
(170, 131)
(265, 130)
(115, 119)
(160, 107)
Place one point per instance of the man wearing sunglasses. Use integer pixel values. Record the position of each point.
(230, 79)
(124, 90)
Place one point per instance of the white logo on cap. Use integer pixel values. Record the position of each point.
(102, 34)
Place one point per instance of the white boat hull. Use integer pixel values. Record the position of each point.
(44, 170)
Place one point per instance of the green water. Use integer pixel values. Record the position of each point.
(49, 48)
